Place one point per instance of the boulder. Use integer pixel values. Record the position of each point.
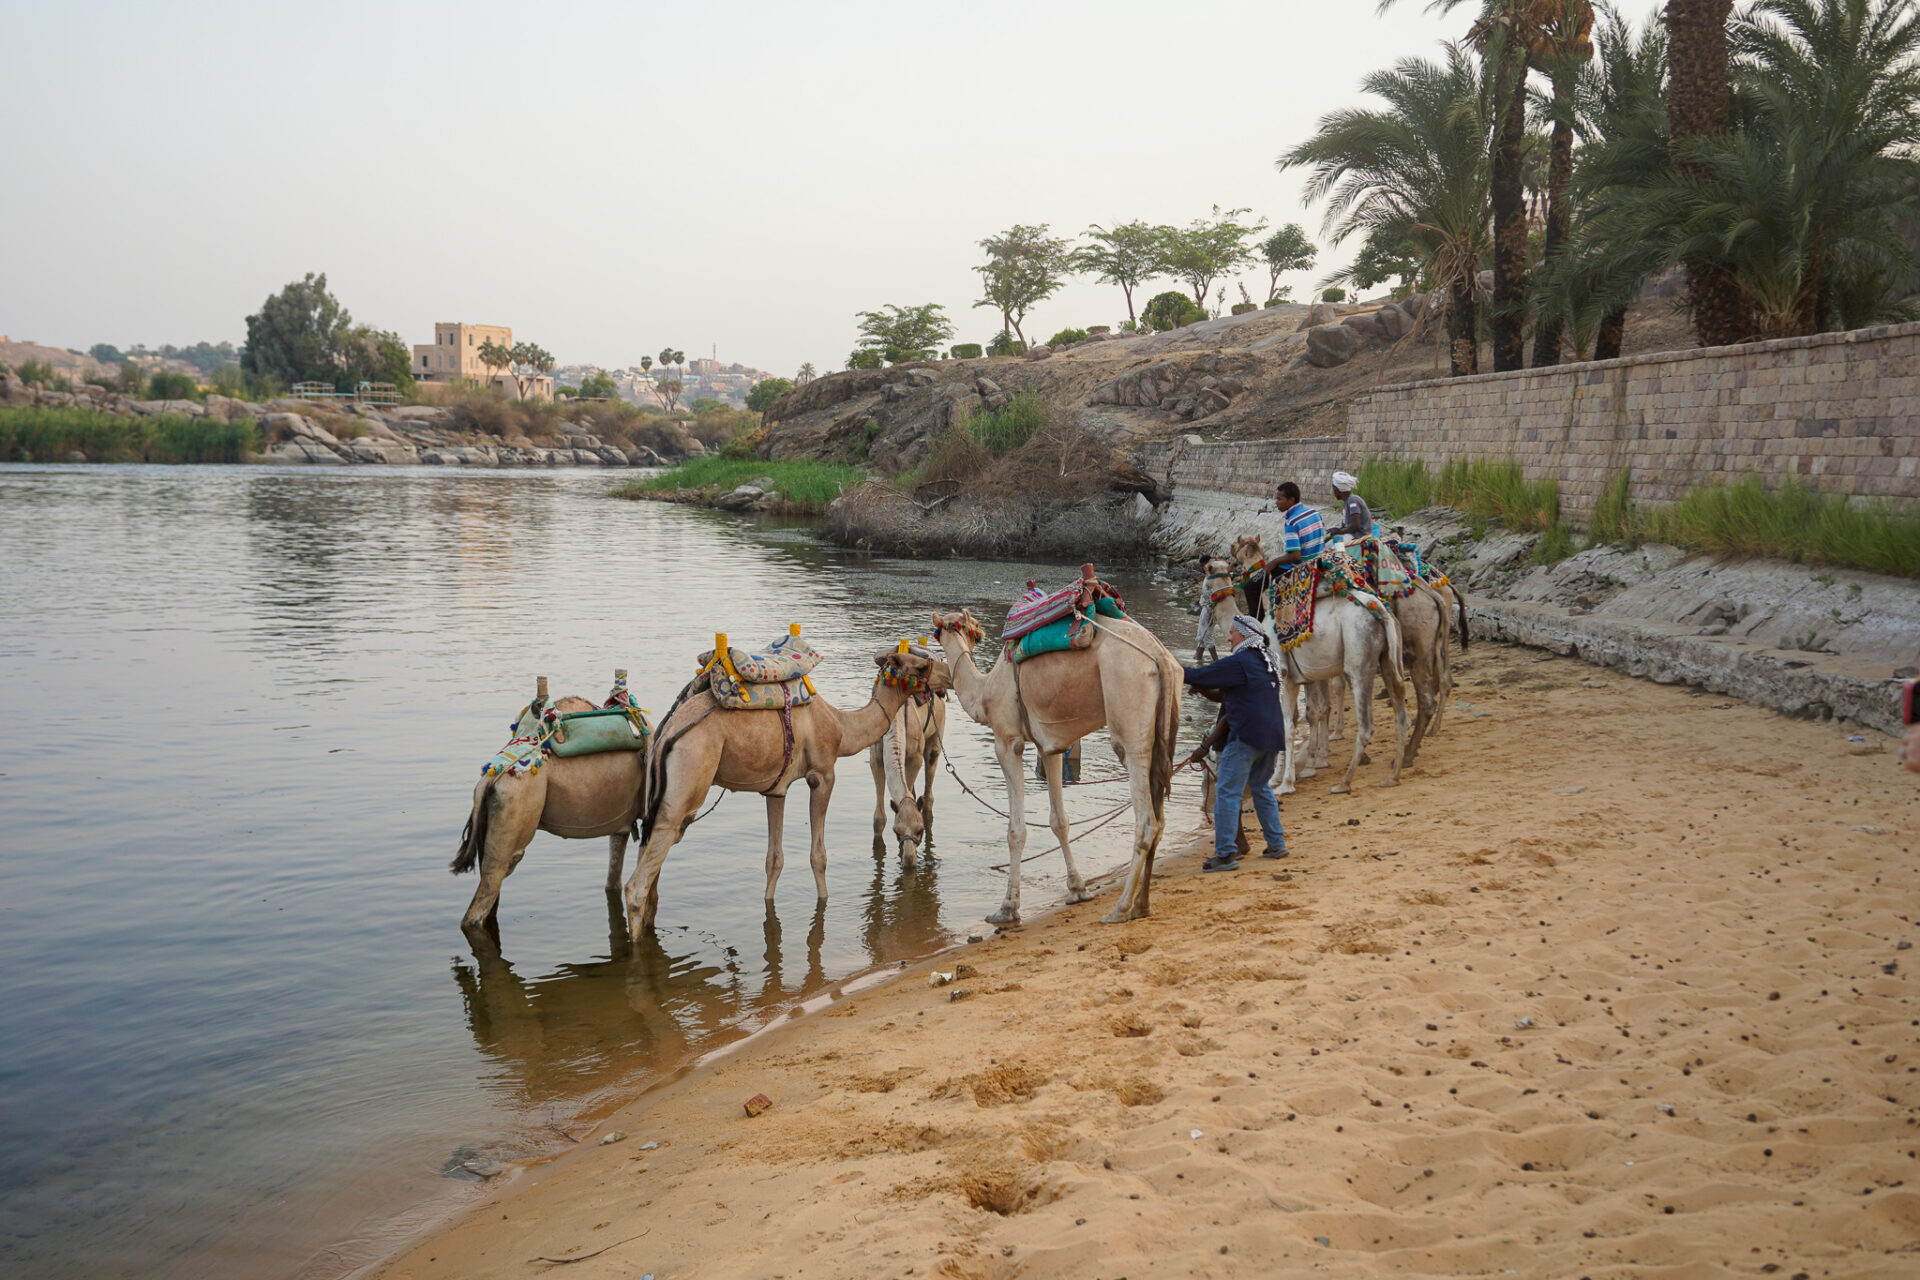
(1210, 400)
(73, 455)
(741, 498)
(920, 378)
(1366, 324)
(990, 393)
(1318, 314)
(1145, 387)
(303, 451)
(1392, 323)
(12, 390)
(419, 412)
(1041, 352)
(1331, 345)
(695, 449)
(609, 456)
(585, 458)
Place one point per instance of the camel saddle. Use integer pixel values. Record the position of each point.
(1036, 608)
(772, 679)
(1064, 632)
(539, 731)
(1384, 574)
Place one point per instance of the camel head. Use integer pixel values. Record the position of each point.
(914, 673)
(1215, 567)
(1246, 549)
(962, 625)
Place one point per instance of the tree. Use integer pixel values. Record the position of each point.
(667, 391)
(668, 356)
(1207, 248)
(646, 364)
(1562, 44)
(598, 386)
(106, 353)
(496, 356)
(1287, 249)
(1414, 171)
(1129, 255)
(704, 404)
(530, 360)
(1384, 256)
(376, 355)
(1024, 266)
(765, 392)
(1699, 105)
(905, 333)
(298, 335)
(805, 375)
(1171, 310)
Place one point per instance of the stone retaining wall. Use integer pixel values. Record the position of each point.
(1841, 411)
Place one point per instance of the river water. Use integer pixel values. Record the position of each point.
(242, 1033)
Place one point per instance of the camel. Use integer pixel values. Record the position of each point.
(699, 745)
(1349, 641)
(1218, 603)
(911, 744)
(1126, 682)
(574, 797)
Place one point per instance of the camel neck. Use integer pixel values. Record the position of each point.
(971, 686)
(861, 729)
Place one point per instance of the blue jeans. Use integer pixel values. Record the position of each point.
(1241, 766)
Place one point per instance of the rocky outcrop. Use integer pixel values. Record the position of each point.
(1332, 345)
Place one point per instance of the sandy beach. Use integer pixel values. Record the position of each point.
(1613, 985)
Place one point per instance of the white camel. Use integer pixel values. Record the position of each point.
(1218, 603)
(1125, 682)
(911, 746)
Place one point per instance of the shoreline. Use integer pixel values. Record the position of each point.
(1264, 1074)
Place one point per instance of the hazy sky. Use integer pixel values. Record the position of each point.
(612, 178)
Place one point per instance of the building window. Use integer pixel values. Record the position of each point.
(469, 339)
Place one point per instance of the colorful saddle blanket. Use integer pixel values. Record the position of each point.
(1037, 608)
(755, 697)
(1291, 593)
(770, 680)
(1417, 565)
(1061, 634)
(787, 658)
(539, 731)
(1384, 572)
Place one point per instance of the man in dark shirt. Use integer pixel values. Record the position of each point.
(1249, 683)
(1356, 519)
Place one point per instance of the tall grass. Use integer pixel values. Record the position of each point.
(1789, 522)
(803, 484)
(45, 434)
(1395, 488)
(1001, 431)
(1499, 493)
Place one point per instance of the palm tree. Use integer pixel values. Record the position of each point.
(1414, 172)
(1619, 116)
(805, 375)
(1798, 210)
(1699, 105)
(1563, 43)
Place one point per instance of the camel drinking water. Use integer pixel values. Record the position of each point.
(911, 746)
(1126, 682)
(701, 745)
(574, 797)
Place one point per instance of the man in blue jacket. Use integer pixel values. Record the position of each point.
(1256, 729)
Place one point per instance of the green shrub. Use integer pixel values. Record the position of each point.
(1001, 431)
(48, 434)
(864, 358)
(1499, 493)
(1241, 308)
(167, 385)
(1281, 296)
(1004, 343)
(967, 351)
(1333, 294)
(1395, 488)
(745, 445)
(1094, 330)
(1554, 544)
(1171, 310)
(1791, 522)
(1067, 337)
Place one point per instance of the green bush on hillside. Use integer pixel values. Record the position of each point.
(1241, 308)
(1170, 310)
(167, 385)
(1004, 343)
(1333, 294)
(967, 351)
(1067, 337)
(1001, 431)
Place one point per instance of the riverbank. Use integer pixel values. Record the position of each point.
(802, 487)
(1548, 1012)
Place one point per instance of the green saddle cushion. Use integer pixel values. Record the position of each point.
(585, 733)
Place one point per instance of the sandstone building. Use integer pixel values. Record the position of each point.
(454, 356)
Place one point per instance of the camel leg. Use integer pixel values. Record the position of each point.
(1012, 756)
(879, 788)
(677, 809)
(776, 856)
(1290, 696)
(932, 756)
(1134, 894)
(1397, 694)
(1057, 801)
(616, 860)
(509, 830)
(820, 788)
(1361, 682)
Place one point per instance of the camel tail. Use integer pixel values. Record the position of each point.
(1166, 731)
(473, 839)
(1460, 598)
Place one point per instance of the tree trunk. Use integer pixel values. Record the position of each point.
(1131, 318)
(1698, 105)
(1509, 202)
(1549, 330)
(1463, 323)
(1613, 331)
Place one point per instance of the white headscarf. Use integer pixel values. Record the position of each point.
(1254, 632)
(1345, 481)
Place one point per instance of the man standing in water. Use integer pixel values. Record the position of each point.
(1249, 683)
(1356, 519)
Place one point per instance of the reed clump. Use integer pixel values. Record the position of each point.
(48, 434)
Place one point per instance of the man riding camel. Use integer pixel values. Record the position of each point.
(1356, 518)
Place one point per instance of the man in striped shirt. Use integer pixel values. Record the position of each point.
(1306, 533)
